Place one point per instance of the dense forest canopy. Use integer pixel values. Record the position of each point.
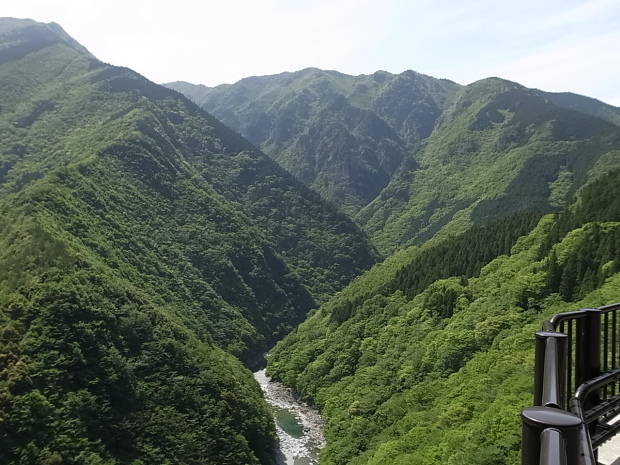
(428, 358)
(345, 136)
(143, 244)
(411, 157)
(401, 236)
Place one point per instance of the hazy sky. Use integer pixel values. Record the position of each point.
(554, 45)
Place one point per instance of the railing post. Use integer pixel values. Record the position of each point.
(539, 366)
(535, 420)
(590, 357)
(587, 359)
(550, 369)
(589, 349)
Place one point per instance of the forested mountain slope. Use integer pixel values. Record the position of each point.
(141, 243)
(584, 104)
(345, 136)
(460, 155)
(428, 358)
(498, 149)
(144, 245)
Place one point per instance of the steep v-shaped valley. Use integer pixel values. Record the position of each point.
(147, 251)
(465, 154)
(142, 243)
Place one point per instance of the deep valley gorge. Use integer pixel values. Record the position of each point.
(392, 240)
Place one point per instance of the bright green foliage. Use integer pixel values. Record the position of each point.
(593, 251)
(462, 256)
(411, 157)
(421, 371)
(498, 149)
(144, 245)
(88, 107)
(345, 136)
(141, 244)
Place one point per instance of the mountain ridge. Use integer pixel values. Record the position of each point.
(297, 122)
(141, 258)
(288, 115)
(500, 147)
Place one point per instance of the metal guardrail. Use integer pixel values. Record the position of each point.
(576, 388)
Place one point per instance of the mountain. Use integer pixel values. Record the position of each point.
(147, 249)
(345, 136)
(501, 213)
(584, 104)
(23, 36)
(428, 357)
(494, 147)
(498, 149)
(143, 246)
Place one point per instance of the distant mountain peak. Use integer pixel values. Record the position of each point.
(19, 37)
(343, 135)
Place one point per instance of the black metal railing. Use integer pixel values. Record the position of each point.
(576, 388)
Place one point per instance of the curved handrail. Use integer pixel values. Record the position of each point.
(580, 347)
(566, 316)
(593, 384)
(609, 308)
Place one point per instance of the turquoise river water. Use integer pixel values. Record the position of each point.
(299, 426)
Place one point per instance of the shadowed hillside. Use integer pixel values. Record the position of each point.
(345, 136)
(142, 243)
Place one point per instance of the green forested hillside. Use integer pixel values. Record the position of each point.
(584, 104)
(147, 250)
(345, 136)
(408, 369)
(465, 154)
(498, 149)
(141, 244)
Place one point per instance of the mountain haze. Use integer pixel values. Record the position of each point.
(583, 104)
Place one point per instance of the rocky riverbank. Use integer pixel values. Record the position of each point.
(299, 426)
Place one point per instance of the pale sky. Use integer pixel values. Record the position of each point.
(554, 45)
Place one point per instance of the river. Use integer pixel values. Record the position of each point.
(299, 426)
